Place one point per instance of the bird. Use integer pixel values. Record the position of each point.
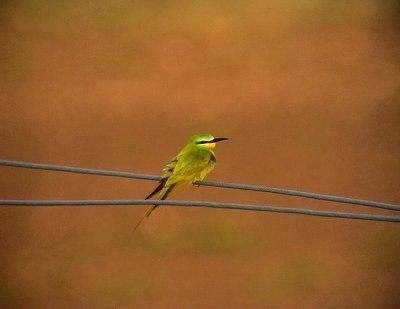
(193, 163)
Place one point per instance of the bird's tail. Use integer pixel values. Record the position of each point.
(148, 213)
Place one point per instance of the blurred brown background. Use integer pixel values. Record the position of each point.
(308, 92)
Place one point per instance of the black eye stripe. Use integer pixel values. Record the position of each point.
(203, 142)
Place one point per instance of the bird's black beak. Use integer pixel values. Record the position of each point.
(218, 139)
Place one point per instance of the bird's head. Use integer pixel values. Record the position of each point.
(205, 141)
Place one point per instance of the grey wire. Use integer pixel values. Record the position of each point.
(78, 170)
(316, 196)
(302, 211)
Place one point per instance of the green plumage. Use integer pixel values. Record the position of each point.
(193, 163)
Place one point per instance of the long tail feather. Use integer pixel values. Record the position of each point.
(148, 213)
(158, 189)
(144, 217)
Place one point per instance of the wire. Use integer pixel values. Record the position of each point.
(315, 196)
(237, 186)
(302, 211)
(78, 170)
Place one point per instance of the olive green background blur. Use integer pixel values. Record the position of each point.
(307, 91)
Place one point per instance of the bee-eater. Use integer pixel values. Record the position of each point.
(193, 163)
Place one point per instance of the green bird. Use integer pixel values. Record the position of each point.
(193, 163)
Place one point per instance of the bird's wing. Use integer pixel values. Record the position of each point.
(170, 167)
(190, 166)
(168, 171)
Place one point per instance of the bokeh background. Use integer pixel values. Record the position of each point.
(308, 92)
